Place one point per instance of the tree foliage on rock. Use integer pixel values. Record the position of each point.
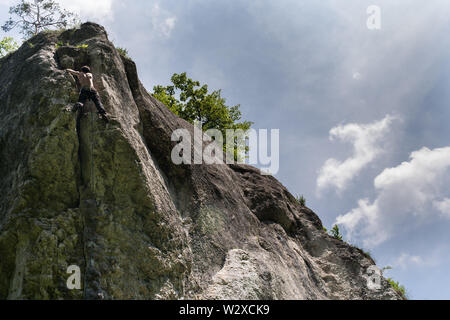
(7, 45)
(35, 16)
(336, 233)
(192, 102)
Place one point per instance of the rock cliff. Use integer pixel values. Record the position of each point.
(107, 197)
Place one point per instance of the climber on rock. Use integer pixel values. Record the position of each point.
(88, 91)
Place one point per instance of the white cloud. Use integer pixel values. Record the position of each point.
(432, 258)
(443, 206)
(406, 195)
(163, 22)
(405, 260)
(7, 2)
(366, 140)
(86, 9)
(356, 76)
(90, 10)
(170, 23)
(102, 11)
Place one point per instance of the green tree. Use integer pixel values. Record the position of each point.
(7, 45)
(401, 290)
(192, 102)
(35, 16)
(301, 200)
(336, 233)
(195, 103)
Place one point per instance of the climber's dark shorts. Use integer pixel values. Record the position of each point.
(91, 94)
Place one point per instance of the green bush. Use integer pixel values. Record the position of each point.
(123, 52)
(301, 200)
(369, 255)
(336, 233)
(60, 44)
(194, 103)
(398, 288)
(7, 46)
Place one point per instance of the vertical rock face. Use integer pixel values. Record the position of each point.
(108, 199)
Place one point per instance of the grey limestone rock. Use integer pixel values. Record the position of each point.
(106, 197)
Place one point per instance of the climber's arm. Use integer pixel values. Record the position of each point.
(73, 72)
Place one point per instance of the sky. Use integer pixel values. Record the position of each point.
(363, 113)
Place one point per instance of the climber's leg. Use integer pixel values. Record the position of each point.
(96, 98)
(81, 101)
(77, 106)
(84, 96)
